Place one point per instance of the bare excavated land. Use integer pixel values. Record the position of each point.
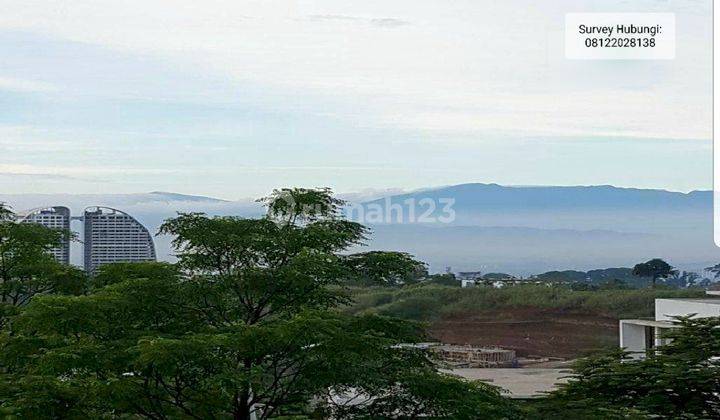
(530, 331)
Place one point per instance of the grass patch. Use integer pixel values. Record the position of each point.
(426, 302)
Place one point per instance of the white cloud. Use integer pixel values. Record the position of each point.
(81, 170)
(20, 85)
(385, 22)
(633, 114)
(193, 96)
(469, 66)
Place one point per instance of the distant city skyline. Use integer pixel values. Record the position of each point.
(230, 99)
(108, 235)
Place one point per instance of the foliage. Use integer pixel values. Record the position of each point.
(425, 394)
(27, 268)
(248, 326)
(599, 277)
(615, 284)
(681, 380)
(715, 270)
(655, 269)
(109, 274)
(137, 349)
(292, 206)
(438, 301)
(6, 213)
(683, 279)
(445, 279)
(497, 276)
(562, 276)
(385, 268)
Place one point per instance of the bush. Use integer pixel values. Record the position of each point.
(430, 301)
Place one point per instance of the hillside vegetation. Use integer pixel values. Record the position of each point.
(426, 302)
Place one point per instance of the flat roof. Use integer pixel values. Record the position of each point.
(650, 323)
(709, 301)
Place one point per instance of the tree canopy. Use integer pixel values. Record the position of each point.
(655, 269)
(27, 268)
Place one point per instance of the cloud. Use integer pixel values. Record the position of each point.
(384, 22)
(21, 85)
(38, 176)
(590, 113)
(216, 95)
(80, 170)
(389, 22)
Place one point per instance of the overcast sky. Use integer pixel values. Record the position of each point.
(233, 98)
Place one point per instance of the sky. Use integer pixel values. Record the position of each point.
(233, 98)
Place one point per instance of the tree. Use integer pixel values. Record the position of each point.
(27, 268)
(109, 274)
(385, 268)
(681, 380)
(498, 276)
(715, 270)
(249, 327)
(6, 213)
(562, 276)
(443, 279)
(683, 279)
(654, 269)
(615, 284)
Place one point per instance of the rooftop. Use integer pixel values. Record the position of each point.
(650, 323)
(709, 301)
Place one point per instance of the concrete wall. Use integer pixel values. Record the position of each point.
(665, 309)
(632, 337)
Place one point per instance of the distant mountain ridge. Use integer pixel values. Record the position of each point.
(184, 197)
(582, 208)
(494, 196)
(526, 230)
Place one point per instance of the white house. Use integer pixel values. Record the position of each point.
(467, 283)
(639, 335)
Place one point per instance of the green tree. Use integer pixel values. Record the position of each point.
(562, 276)
(6, 214)
(385, 268)
(27, 268)
(443, 279)
(654, 269)
(684, 279)
(498, 276)
(249, 326)
(715, 270)
(119, 272)
(681, 380)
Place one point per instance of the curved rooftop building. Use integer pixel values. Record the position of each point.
(57, 217)
(112, 236)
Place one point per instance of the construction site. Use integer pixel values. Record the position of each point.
(467, 356)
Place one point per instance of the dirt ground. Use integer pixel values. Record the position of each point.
(531, 331)
(520, 383)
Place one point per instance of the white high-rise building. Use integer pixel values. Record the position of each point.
(57, 217)
(114, 236)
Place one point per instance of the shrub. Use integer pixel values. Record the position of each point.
(430, 301)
